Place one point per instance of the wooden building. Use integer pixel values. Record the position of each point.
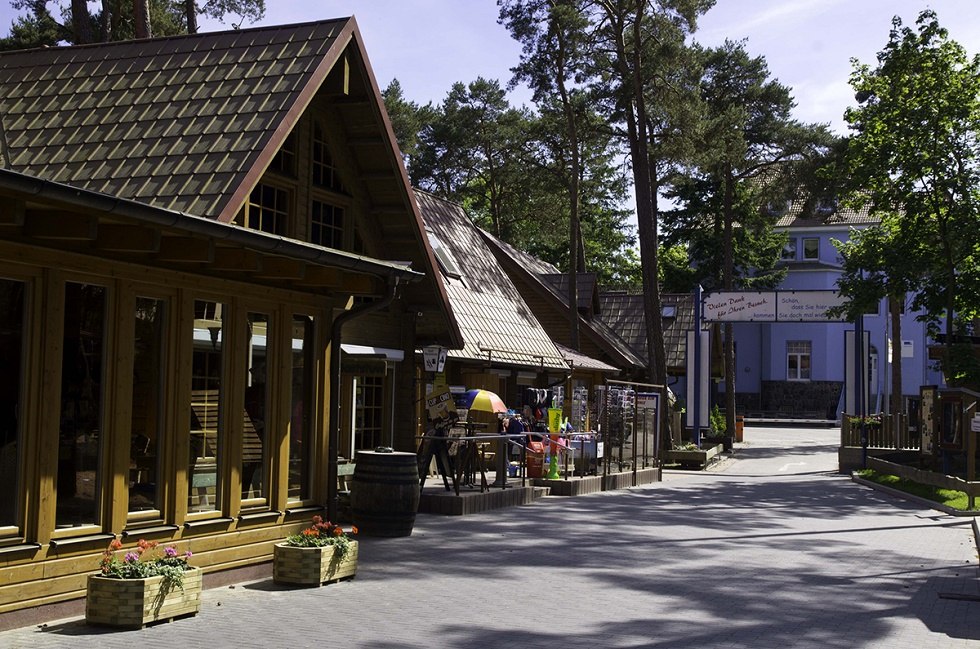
(186, 226)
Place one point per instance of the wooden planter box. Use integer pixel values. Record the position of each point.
(312, 566)
(701, 457)
(135, 603)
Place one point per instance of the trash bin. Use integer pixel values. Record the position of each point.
(739, 427)
(535, 459)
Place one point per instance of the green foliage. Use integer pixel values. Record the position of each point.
(112, 20)
(143, 562)
(952, 498)
(914, 162)
(321, 534)
(717, 425)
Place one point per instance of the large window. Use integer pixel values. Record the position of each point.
(324, 171)
(798, 360)
(80, 435)
(12, 344)
(146, 433)
(368, 412)
(327, 225)
(301, 418)
(267, 209)
(255, 441)
(206, 426)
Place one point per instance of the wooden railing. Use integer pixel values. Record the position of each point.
(880, 435)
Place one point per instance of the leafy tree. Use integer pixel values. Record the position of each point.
(114, 20)
(749, 149)
(638, 62)
(575, 145)
(912, 161)
(408, 119)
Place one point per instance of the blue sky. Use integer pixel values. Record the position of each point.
(429, 44)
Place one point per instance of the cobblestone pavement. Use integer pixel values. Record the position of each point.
(770, 549)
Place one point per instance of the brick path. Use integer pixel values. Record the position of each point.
(771, 549)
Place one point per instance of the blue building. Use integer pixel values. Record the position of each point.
(797, 370)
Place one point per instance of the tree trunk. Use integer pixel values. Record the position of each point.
(81, 22)
(190, 10)
(141, 18)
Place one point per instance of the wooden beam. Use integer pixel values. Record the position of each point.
(12, 212)
(366, 140)
(323, 277)
(387, 174)
(389, 208)
(281, 268)
(61, 226)
(185, 250)
(338, 81)
(236, 259)
(127, 238)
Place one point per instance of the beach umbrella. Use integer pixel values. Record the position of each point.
(482, 400)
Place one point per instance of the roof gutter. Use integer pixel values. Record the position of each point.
(189, 223)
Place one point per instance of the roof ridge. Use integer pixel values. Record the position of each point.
(171, 37)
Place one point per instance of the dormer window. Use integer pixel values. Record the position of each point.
(447, 264)
(668, 311)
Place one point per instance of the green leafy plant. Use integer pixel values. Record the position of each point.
(324, 533)
(717, 425)
(143, 562)
(868, 420)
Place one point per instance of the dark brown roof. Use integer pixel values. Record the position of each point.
(495, 320)
(624, 313)
(586, 289)
(175, 122)
(516, 261)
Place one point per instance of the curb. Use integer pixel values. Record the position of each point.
(931, 504)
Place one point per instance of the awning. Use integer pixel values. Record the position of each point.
(384, 353)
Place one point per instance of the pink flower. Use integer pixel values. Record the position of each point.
(131, 557)
(170, 551)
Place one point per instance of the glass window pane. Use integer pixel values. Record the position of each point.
(300, 424)
(206, 427)
(811, 248)
(12, 343)
(79, 440)
(148, 391)
(254, 435)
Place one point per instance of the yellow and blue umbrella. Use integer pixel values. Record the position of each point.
(482, 400)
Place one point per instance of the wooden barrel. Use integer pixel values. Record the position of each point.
(384, 494)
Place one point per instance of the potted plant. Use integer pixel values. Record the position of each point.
(718, 429)
(142, 586)
(319, 554)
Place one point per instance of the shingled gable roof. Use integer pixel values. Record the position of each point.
(496, 322)
(189, 124)
(624, 312)
(179, 123)
(542, 277)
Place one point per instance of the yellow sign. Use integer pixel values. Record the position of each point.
(554, 420)
(440, 404)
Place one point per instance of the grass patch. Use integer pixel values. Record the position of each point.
(949, 497)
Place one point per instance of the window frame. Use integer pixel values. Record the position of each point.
(804, 353)
(816, 250)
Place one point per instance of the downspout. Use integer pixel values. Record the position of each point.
(333, 430)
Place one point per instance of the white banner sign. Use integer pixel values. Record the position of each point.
(771, 306)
